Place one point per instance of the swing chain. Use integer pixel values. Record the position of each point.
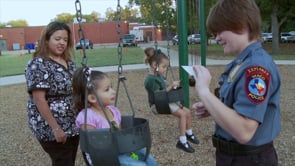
(119, 31)
(87, 70)
(155, 24)
(121, 78)
(80, 31)
(169, 38)
(168, 26)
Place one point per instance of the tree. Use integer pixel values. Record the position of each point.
(193, 15)
(127, 14)
(160, 13)
(64, 17)
(17, 23)
(275, 14)
(110, 14)
(157, 11)
(2, 25)
(92, 17)
(68, 18)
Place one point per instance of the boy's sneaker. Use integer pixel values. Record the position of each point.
(185, 146)
(192, 138)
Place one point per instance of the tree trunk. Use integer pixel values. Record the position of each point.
(275, 27)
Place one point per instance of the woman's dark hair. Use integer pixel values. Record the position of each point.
(42, 50)
(81, 84)
(153, 55)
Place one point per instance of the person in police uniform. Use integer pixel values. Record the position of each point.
(246, 105)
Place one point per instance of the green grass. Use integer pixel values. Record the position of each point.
(214, 51)
(14, 64)
(109, 56)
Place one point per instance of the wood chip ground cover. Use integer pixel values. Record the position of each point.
(19, 147)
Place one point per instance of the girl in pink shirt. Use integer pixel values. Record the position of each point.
(95, 116)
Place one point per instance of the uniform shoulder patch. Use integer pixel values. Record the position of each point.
(256, 83)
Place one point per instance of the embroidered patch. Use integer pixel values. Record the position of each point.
(257, 83)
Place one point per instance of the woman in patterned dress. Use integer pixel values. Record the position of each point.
(49, 86)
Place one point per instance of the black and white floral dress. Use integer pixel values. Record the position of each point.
(56, 80)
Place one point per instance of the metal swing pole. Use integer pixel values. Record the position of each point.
(203, 32)
(183, 48)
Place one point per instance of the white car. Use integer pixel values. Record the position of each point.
(287, 37)
(266, 37)
(88, 44)
(194, 39)
(175, 40)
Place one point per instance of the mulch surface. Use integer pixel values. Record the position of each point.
(19, 147)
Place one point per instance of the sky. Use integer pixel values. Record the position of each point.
(41, 12)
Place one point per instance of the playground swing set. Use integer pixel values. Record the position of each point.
(178, 94)
(104, 145)
(162, 98)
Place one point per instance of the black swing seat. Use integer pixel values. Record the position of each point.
(104, 145)
(162, 98)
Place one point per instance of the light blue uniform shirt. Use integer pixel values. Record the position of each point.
(251, 86)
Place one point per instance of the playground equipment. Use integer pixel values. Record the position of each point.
(162, 98)
(104, 145)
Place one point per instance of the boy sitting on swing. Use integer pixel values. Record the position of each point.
(95, 116)
(154, 81)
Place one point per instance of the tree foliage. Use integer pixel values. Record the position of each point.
(2, 25)
(163, 13)
(69, 18)
(278, 16)
(160, 13)
(17, 23)
(110, 14)
(127, 14)
(64, 17)
(92, 17)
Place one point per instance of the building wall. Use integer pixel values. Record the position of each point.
(32, 34)
(12, 36)
(99, 32)
(149, 32)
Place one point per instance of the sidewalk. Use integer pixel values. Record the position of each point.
(173, 60)
(10, 80)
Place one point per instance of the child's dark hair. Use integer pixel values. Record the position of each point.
(80, 85)
(153, 55)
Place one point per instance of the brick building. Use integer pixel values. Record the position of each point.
(99, 32)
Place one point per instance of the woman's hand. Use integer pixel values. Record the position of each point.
(200, 110)
(204, 79)
(60, 135)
